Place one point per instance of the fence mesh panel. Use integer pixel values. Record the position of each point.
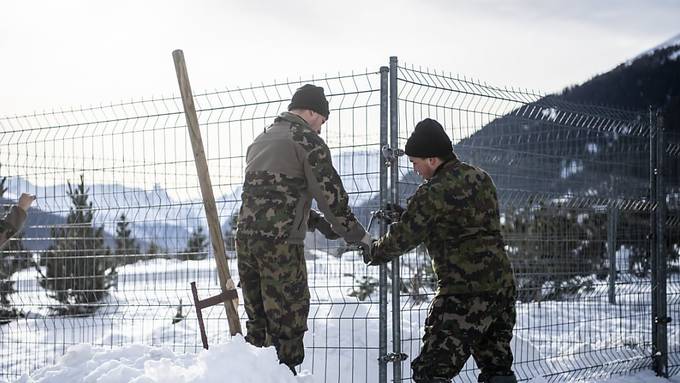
(118, 231)
(671, 171)
(573, 181)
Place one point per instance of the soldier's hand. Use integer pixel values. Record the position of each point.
(366, 246)
(25, 201)
(393, 212)
(369, 254)
(366, 243)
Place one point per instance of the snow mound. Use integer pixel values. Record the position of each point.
(235, 361)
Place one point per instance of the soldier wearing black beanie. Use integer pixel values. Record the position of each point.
(455, 214)
(287, 166)
(310, 97)
(429, 140)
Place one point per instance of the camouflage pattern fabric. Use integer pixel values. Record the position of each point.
(458, 326)
(329, 191)
(268, 205)
(275, 296)
(287, 166)
(455, 214)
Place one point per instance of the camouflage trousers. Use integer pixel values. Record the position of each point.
(458, 326)
(276, 296)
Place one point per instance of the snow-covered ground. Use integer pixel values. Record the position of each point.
(234, 361)
(133, 339)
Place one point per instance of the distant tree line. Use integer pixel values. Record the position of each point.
(79, 268)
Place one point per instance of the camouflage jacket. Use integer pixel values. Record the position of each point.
(455, 214)
(286, 166)
(11, 223)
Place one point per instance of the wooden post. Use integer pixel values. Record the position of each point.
(226, 283)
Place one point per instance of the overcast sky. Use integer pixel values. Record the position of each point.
(62, 54)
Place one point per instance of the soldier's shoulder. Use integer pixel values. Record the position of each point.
(306, 137)
(472, 172)
(424, 191)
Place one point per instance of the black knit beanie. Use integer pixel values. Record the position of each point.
(428, 140)
(310, 97)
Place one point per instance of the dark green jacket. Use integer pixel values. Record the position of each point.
(287, 166)
(455, 214)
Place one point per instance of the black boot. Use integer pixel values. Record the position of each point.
(292, 369)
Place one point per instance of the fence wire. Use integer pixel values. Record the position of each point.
(573, 183)
(118, 231)
(671, 172)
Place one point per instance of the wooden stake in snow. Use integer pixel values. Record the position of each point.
(228, 295)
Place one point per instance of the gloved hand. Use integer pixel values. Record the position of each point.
(393, 212)
(318, 222)
(325, 228)
(369, 256)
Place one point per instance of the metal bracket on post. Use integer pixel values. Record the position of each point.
(391, 155)
(393, 357)
(662, 320)
(200, 304)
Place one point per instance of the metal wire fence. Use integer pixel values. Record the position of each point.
(574, 188)
(118, 231)
(671, 171)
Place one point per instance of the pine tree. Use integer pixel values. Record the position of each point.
(553, 249)
(126, 246)
(364, 287)
(78, 267)
(197, 246)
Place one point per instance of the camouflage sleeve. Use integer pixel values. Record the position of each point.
(326, 187)
(410, 231)
(11, 223)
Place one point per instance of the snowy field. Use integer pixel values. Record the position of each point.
(234, 361)
(132, 338)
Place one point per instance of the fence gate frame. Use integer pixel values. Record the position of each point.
(389, 193)
(659, 256)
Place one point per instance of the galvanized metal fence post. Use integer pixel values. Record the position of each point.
(660, 318)
(384, 199)
(612, 221)
(394, 183)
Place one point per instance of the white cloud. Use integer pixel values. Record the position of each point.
(79, 52)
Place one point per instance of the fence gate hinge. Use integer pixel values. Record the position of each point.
(391, 155)
(393, 357)
(662, 320)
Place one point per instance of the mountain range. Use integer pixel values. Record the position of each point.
(559, 144)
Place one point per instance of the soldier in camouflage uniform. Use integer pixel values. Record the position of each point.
(287, 166)
(455, 214)
(14, 220)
